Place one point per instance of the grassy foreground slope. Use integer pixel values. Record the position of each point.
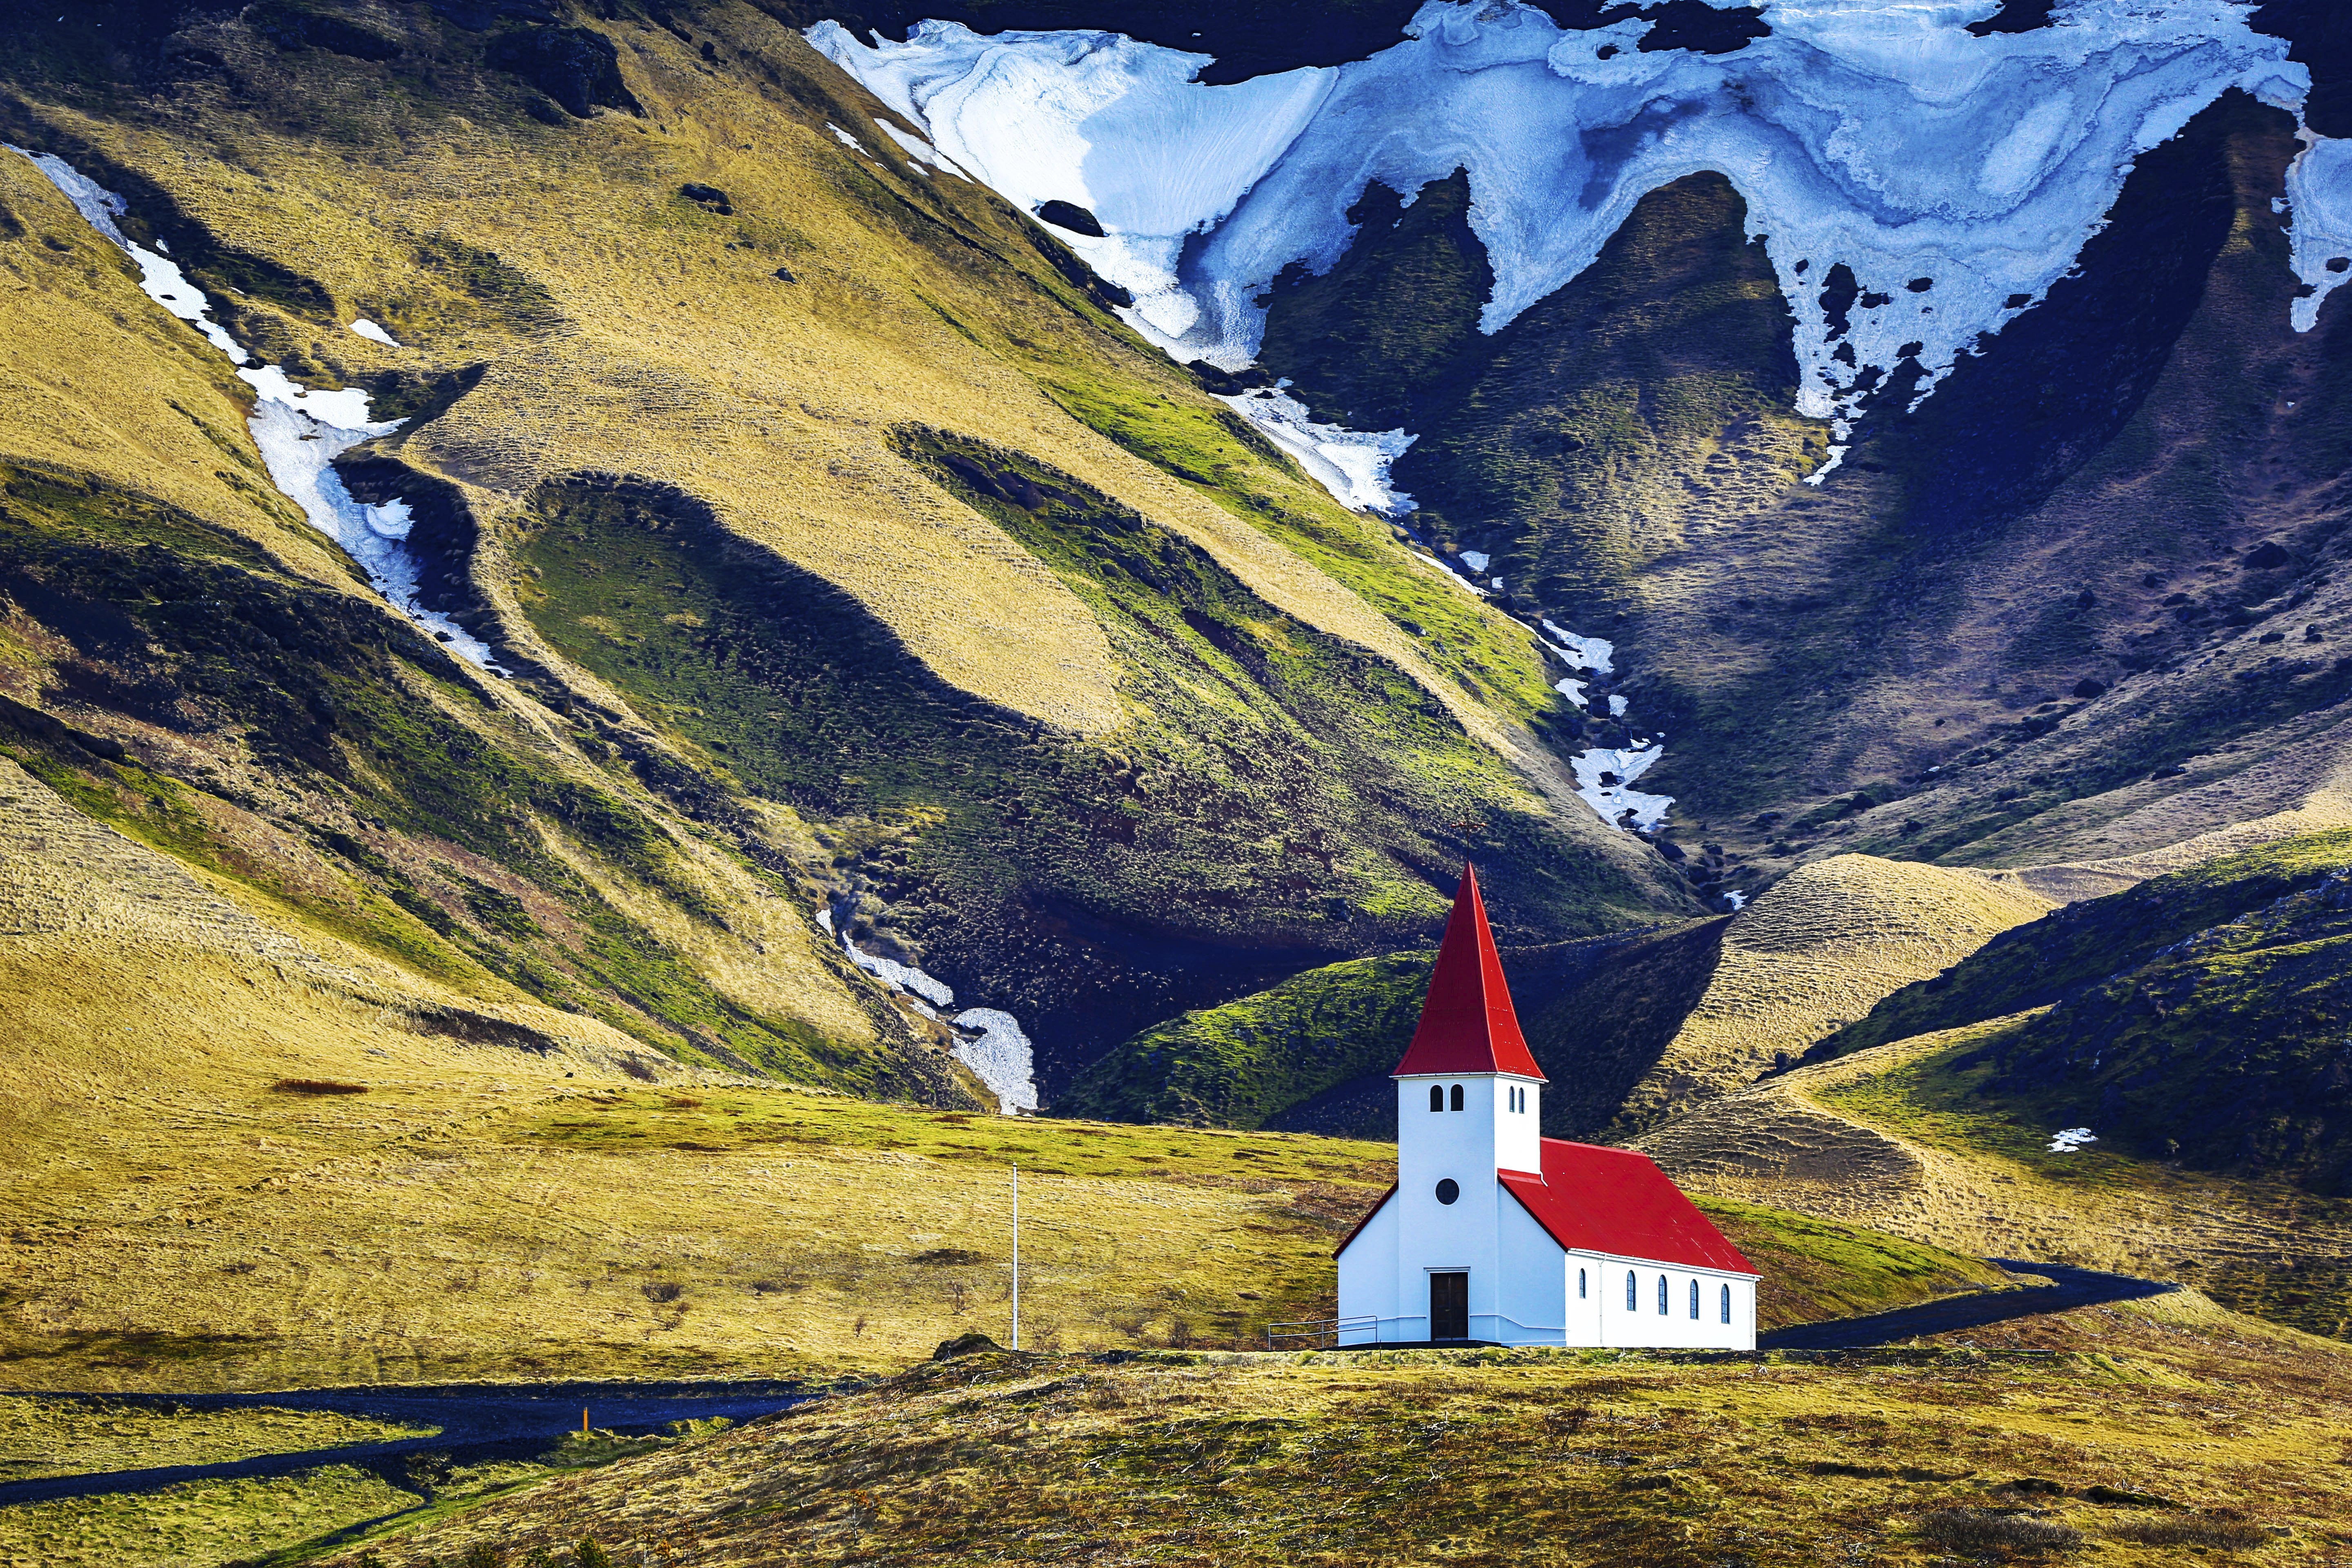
(2137, 1435)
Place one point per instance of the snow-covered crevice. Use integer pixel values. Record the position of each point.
(1915, 186)
(1353, 464)
(299, 433)
(988, 1041)
(2319, 194)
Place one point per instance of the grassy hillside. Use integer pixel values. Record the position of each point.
(2196, 1017)
(2127, 1434)
(1630, 1030)
(1904, 1138)
(1241, 1064)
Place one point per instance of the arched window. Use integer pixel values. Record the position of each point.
(1579, 1285)
(1436, 1098)
(1632, 1293)
(1694, 1300)
(1662, 1295)
(1726, 1303)
(1457, 1097)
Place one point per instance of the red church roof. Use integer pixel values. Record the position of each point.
(1615, 1201)
(1467, 1023)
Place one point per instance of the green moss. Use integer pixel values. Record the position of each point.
(191, 630)
(1279, 796)
(1237, 1065)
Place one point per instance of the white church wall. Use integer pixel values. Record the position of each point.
(1585, 1283)
(1529, 1308)
(1368, 1285)
(1432, 1147)
(1644, 1326)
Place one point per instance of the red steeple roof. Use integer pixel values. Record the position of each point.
(1466, 1024)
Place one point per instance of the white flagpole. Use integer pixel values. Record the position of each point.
(1016, 1257)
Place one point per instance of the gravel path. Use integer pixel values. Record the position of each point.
(2068, 1287)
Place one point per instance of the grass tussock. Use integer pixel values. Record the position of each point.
(2224, 1533)
(1977, 1529)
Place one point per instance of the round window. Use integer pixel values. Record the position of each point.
(1448, 1190)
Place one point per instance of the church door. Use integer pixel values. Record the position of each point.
(1449, 1306)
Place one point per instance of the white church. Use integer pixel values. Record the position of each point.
(1496, 1235)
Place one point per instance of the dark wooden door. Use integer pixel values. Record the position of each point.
(1449, 1306)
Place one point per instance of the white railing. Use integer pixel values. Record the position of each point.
(1316, 1329)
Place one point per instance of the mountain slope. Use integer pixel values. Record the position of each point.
(2196, 1017)
(1630, 1029)
(1191, 728)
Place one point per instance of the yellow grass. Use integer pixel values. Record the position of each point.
(1878, 1138)
(2123, 1425)
(1818, 951)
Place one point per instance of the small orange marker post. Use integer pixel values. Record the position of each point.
(583, 1421)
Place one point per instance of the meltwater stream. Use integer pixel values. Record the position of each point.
(299, 433)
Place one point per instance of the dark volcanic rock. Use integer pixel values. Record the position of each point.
(578, 68)
(1072, 216)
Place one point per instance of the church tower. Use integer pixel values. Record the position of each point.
(1469, 1098)
(1496, 1234)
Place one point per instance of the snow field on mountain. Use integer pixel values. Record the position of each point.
(1953, 178)
(2319, 194)
(299, 433)
(1914, 187)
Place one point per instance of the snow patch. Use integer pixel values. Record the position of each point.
(2319, 193)
(159, 277)
(1618, 802)
(901, 976)
(299, 450)
(298, 432)
(1353, 464)
(1000, 1057)
(1448, 572)
(1616, 706)
(1475, 559)
(990, 1041)
(847, 139)
(1736, 899)
(1583, 653)
(374, 334)
(1571, 689)
(2072, 1140)
(920, 150)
